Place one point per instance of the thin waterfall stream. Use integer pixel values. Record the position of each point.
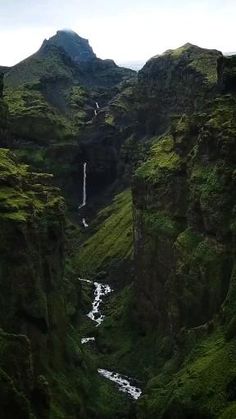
(84, 202)
(123, 382)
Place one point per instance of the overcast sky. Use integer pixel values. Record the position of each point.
(124, 30)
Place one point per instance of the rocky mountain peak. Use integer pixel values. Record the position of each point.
(75, 46)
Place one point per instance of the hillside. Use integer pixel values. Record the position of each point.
(52, 97)
(127, 282)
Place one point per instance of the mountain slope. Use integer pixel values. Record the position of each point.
(179, 334)
(169, 134)
(53, 97)
(76, 47)
(184, 247)
(59, 88)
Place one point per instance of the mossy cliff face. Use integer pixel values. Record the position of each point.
(109, 244)
(184, 210)
(53, 98)
(3, 112)
(54, 92)
(43, 370)
(178, 81)
(31, 271)
(184, 251)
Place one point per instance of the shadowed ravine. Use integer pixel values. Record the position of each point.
(102, 290)
(123, 382)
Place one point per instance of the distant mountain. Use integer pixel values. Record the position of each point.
(228, 54)
(52, 92)
(134, 65)
(69, 57)
(76, 47)
(4, 69)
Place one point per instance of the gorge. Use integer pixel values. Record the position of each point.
(118, 224)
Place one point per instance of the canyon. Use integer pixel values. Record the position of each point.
(118, 223)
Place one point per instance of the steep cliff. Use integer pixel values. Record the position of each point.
(53, 92)
(171, 320)
(42, 367)
(57, 101)
(184, 237)
(32, 307)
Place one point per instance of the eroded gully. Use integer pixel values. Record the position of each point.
(100, 291)
(123, 382)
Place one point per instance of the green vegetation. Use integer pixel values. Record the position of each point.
(158, 223)
(48, 113)
(163, 158)
(170, 321)
(199, 386)
(112, 240)
(46, 63)
(21, 203)
(202, 60)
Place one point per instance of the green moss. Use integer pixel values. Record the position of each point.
(163, 158)
(109, 119)
(32, 117)
(229, 412)
(198, 387)
(222, 115)
(47, 63)
(112, 242)
(20, 199)
(187, 241)
(160, 223)
(202, 60)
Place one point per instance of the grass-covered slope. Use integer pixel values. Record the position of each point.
(110, 243)
(51, 93)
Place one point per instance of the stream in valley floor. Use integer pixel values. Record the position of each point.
(123, 382)
(100, 291)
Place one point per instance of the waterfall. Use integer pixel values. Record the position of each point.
(84, 194)
(123, 382)
(84, 187)
(95, 112)
(84, 223)
(97, 105)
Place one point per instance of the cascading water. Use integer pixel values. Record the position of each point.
(100, 291)
(97, 105)
(84, 223)
(84, 186)
(84, 193)
(123, 382)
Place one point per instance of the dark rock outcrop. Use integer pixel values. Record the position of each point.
(184, 232)
(179, 81)
(31, 274)
(76, 47)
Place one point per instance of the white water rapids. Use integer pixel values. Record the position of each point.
(123, 383)
(86, 340)
(100, 291)
(95, 314)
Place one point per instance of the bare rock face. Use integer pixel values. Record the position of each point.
(75, 46)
